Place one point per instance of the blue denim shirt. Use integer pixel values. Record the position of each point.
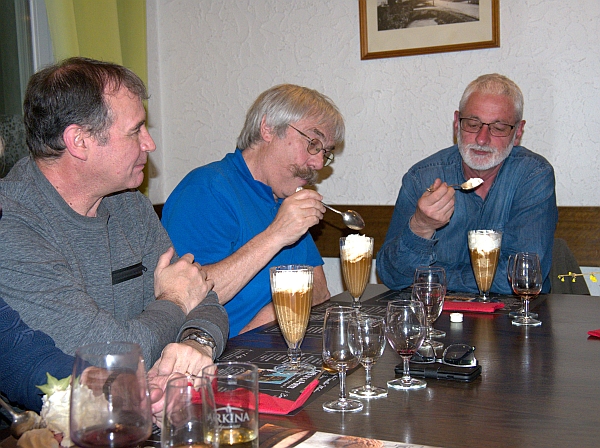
(521, 203)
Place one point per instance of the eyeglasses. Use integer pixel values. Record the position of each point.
(497, 129)
(315, 146)
(460, 355)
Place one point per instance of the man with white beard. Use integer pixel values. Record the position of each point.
(431, 220)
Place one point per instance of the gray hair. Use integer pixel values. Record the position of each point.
(285, 104)
(495, 84)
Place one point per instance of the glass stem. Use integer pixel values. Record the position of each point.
(526, 306)
(368, 366)
(405, 370)
(342, 377)
(294, 354)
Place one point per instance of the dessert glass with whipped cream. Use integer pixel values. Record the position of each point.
(292, 290)
(356, 256)
(484, 248)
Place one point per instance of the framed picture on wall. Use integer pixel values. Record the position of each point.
(390, 28)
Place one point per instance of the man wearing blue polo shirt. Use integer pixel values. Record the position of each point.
(247, 212)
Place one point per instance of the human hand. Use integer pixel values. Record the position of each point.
(297, 214)
(434, 209)
(183, 282)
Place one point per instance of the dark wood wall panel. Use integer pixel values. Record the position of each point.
(578, 226)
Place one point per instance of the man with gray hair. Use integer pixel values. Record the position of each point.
(431, 219)
(248, 212)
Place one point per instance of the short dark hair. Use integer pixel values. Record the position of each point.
(73, 92)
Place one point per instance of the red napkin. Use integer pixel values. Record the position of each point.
(595, 333)
(478, 307)
(268, 404)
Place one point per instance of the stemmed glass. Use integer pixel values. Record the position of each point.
(510, 267)
(433, 274)
(110, 404)
(484, 249)
(405, 331)
(371, 330)
(527, 283)
(356, 256)
(431, 295)
(341, 352)
(292, 290)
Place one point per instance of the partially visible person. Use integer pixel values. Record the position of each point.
(25, 358)
(83, 256)
(244, 214)
(429, 227)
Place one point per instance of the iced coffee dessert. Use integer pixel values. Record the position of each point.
(292, 298)
(484, 248)
(356, 256)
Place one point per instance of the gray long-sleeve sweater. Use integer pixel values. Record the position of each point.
(83, 280)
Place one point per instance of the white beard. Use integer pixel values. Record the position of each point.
(492, 158)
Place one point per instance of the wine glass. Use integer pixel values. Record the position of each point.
(432, 274)
(356, 256)
(292, 290)
(431, 295)
(405, 331)
(484, 249)
(190, 416)
(527, 283)
(341, 352)
(110, 403)
(371, 330)
(510, 267)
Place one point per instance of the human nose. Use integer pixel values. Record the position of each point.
(316, 161)
(147, 143)
(483, 137)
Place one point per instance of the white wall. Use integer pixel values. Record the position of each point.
(208, 60)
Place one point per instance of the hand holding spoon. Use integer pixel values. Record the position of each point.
(468, 185)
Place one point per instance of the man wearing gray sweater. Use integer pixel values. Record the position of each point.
(83, 256)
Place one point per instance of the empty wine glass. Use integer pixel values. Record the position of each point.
(341, 352)
(527, 283)
(371, 330)
(431, 295)
(432, 274)
(110, 404)
(405, 331)
(510, 267)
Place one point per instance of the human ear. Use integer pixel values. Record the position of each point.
(75, 140)
(267, 133)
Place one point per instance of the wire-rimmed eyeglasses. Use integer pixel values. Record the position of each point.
(460, 355)
(315, 146)
(497, 129)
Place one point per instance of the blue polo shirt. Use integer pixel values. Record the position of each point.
(218, 208)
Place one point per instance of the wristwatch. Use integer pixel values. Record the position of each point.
(199, 336)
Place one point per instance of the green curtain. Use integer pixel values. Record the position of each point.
(107, 30)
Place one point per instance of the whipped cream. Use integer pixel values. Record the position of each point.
(356, 247)
(484, 240)
(292, 280)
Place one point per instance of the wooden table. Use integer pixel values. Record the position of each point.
(539, 386)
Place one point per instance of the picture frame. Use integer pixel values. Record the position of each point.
(387, 26)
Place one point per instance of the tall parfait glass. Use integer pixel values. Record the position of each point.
(292, 290)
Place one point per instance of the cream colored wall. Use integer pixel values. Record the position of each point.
(208, 60)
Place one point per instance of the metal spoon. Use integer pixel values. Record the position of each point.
(22, 421)
(468, 185)
(352, 219)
